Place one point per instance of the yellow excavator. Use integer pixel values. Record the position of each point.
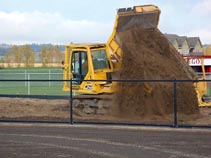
(99, 61)
(92, 67)
(85, 63)
(201, 87)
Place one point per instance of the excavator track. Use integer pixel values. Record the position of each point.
(84, 105)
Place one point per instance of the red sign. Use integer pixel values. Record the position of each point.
(194, 61)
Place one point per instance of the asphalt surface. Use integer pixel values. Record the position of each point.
(64, 141)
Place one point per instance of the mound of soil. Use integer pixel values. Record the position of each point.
(148, 55)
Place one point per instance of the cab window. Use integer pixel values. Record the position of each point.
(99, 59)
(79, 65)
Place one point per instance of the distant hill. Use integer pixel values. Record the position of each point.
(35, 47)
(4, 48)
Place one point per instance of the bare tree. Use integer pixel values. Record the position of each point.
(28, 55)
(17, 55)
(10, 56)
(58, 54)
(2, 63)
(51, 55)
(44, 56)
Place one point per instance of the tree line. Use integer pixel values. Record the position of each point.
(207, 50)
(24, 54)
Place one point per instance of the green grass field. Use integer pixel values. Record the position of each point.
(36, 88)
(32, 88)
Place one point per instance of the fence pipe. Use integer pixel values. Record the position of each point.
(175, 104)
(28, 84)
(25, 77)
(49, 78)
(71, 102)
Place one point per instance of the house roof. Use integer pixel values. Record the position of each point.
(192, 41)
(181, 40)
(171, 37)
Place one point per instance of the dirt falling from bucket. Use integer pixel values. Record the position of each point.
(147, 55)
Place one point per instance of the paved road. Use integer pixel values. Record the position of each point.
(63, 141)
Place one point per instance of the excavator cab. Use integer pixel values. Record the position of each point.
(84, 63)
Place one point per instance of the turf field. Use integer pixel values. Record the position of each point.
(32, 87)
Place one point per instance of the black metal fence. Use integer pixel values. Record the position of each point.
(61, 107)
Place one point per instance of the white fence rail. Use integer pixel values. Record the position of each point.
(30, 75)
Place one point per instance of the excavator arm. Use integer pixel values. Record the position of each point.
(143, 16)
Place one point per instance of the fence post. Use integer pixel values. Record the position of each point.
(71, 102)
(49, 78)
(25, 78)
(175, 103)
(28, 84)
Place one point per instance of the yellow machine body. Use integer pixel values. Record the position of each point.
(201, 86)
(201, 89)
(89, 66)
(104, 59)
(101, 61)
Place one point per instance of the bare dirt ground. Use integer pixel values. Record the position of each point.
(33, 108)
(63, 141)
(42, 109)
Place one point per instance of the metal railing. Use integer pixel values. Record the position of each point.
(72, 120)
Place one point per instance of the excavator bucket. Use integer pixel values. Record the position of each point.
(145, 16)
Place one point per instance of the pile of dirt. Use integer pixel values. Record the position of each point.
(148, 55)
(33, 108)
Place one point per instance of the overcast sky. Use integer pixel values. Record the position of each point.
(64, 21)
